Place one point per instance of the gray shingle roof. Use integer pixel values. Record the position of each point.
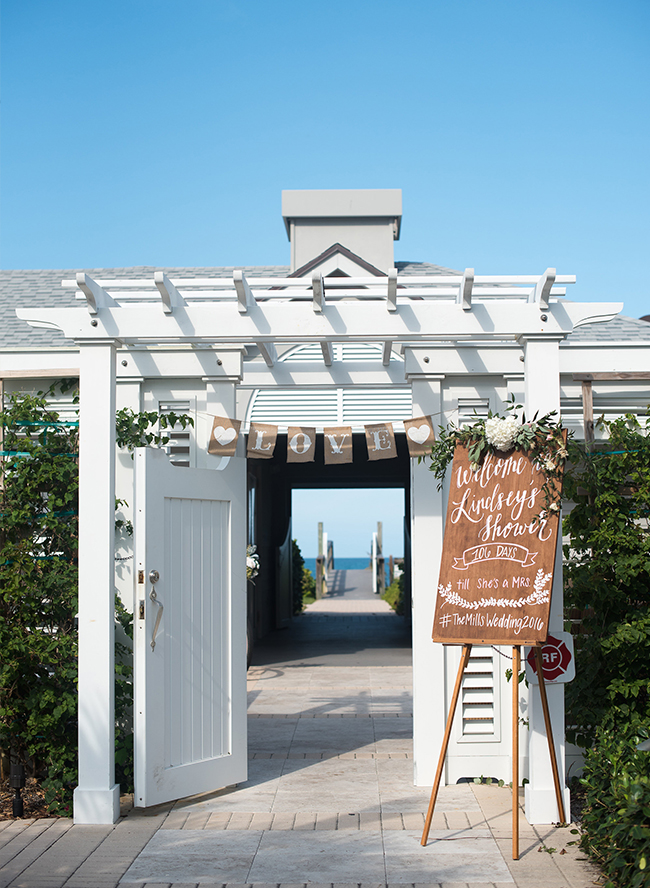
(42, 287)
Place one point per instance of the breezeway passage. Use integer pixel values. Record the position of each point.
(330, 799)
(350, 627)
(330, 796)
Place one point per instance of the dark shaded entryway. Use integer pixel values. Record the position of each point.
(351, 626)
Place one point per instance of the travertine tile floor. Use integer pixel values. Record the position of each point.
(329, 803)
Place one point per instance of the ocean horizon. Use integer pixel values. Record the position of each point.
(341, 563)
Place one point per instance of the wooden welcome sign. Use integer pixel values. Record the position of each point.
(498, 555)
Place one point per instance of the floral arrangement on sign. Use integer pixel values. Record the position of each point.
(252, 562)
(542, 438)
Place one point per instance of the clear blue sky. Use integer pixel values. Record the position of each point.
(157, 132)
(349, 518)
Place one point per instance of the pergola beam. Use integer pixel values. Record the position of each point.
(318, 291)
(245, 298)
(96, 296)
(268, 352)
(542, 289)
(391, 297)
(354, 321)
(465, 290)
(328, 352)
(170, 296)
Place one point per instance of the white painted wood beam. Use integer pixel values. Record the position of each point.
(96, 296)
(369, 293)
(387, 350)
(542, 289)
(170, 296)
(328, 353)
(391, 299)
(465, 290)
(245, 298)
(318, 291)
(434, 281)
(268, 352)
(358, 321)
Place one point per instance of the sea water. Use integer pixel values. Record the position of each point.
(341, 564)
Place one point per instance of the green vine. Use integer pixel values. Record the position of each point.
(138, 429)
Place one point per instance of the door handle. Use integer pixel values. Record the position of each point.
(154, 576)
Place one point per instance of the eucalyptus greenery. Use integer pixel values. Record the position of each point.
(542, 438)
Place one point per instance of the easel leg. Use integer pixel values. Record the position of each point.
(445, 741)
(516, 666)
(549, 734)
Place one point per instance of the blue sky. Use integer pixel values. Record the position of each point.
(157, 132)
(162, 132)
(349, 518)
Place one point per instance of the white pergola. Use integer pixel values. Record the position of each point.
(414, 312)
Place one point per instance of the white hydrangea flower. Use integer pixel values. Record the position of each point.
(501, 433)
(252, 562)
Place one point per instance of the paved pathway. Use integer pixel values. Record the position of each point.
(329, 800)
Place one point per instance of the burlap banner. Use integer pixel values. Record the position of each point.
(301, 444)
(337, 440)
(224, 435)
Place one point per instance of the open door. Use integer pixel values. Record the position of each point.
(189, 628)
(284, 583)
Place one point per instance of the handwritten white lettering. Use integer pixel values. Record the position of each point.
(296, 445)
(337, 447)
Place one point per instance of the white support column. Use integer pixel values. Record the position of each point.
(427, 527)
(128, 393)
(542, 387)
(97, 797)
(220, 400)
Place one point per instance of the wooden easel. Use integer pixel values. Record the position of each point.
(516, 666)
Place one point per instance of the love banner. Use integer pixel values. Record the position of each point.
(301, 440)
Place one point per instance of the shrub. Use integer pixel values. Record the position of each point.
(304, 585)
(606, 579)
(38, 594)
(616, 818)
(394, 595)
(608, 704)
(308, 586)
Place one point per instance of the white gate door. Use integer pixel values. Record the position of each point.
(189, 628)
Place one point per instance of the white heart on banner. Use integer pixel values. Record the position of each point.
(420, 434)
(224, 436)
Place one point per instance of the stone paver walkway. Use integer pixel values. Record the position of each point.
(329, 802)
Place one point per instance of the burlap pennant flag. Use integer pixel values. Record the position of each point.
(224, 435)
(419, 435)
(301, 444)
(380, 439)
(261, 440)
(338, 444)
